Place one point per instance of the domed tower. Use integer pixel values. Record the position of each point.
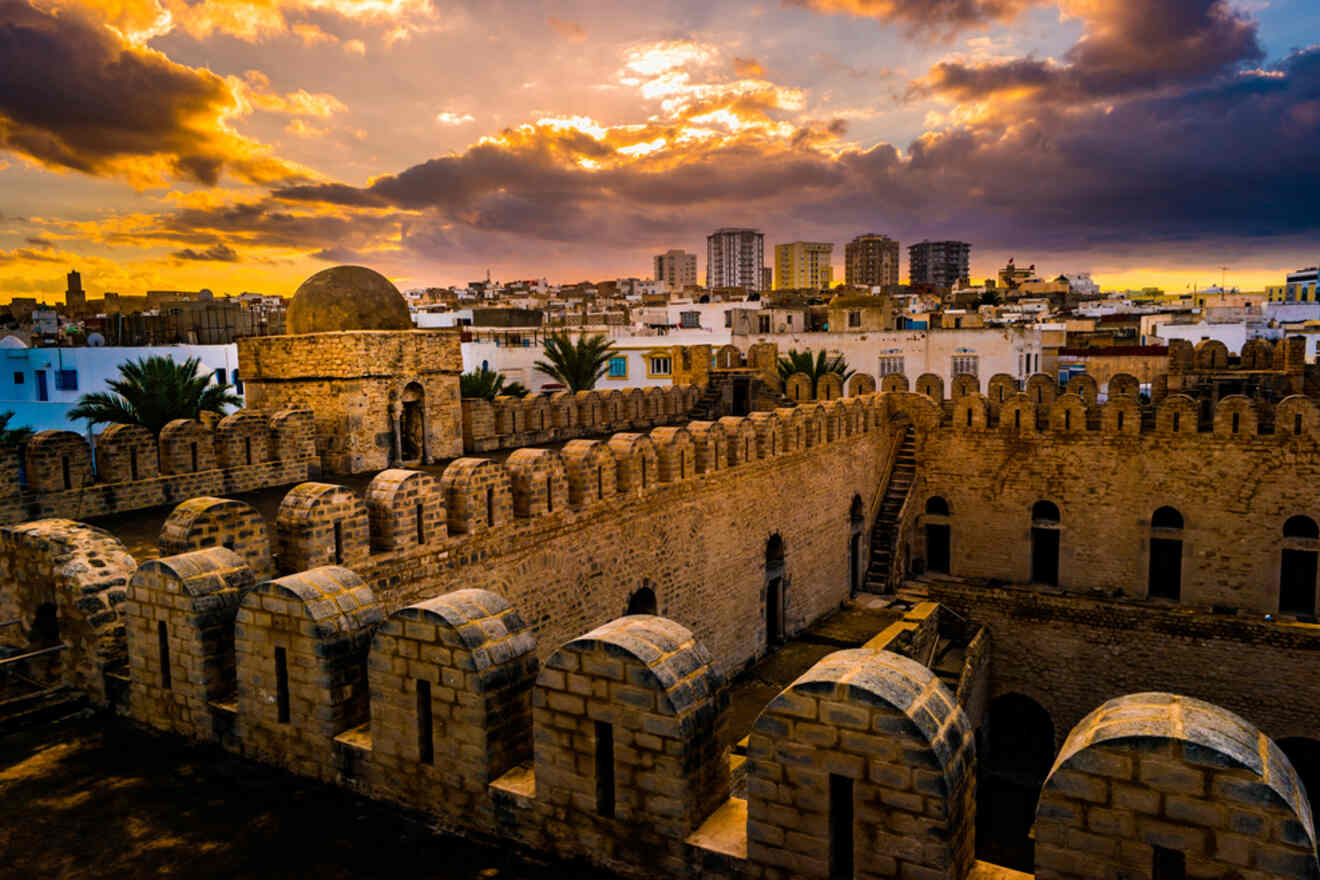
(347, 298)
(384, 393)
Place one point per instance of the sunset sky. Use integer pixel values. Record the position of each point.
(245, 144)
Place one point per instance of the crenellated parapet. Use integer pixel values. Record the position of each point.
(130, 469)
(510, 422)
(1046, 411)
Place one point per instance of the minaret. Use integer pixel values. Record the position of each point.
(75, 298)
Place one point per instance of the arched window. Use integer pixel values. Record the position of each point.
(1166, 518)
(642, 602)
(1297, 567)
(1165, 571)
(1301, 527)
(1045, 511)
(1045, 543)
(937, 505)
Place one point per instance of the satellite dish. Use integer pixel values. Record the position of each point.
(95, 340)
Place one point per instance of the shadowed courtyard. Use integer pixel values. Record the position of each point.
(96, 797)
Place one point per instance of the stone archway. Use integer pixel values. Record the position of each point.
(412, 423)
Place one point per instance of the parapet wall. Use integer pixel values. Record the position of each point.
(1232, 491)
(570, 538)
(509, 422)
(133, 470)
(1069, 652)
(613, 750)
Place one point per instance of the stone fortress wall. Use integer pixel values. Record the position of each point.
(511, 422)
(466, 597)
(570, 536)
(132, 470)
(455, 644)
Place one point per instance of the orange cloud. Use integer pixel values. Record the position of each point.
(569, 30)
(748, 67)
(138, 115)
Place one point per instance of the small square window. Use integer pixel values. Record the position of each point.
(19, 378)
(661, 366)
(618, 368)
(854, 319)
(66, 380)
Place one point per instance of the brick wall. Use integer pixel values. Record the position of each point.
(885, 730)
(1156, 771)
(179, 617)
(351, 380)
(136, 471)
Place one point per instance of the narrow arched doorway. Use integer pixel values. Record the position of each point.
(1297, 567)
(1166, 546)
(1045, 543)
(411, 422)
(1017, 750)
(937, 534)
(774, 591)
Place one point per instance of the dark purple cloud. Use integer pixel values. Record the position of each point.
(218, 252)
(74, 96)
(1127, 46)
(933, 16)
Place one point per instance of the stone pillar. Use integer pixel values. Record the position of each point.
(396, 424)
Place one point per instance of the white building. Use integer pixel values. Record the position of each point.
(1082, 283)
(41, 385)
(983, 351)
(1234, 335)
(638, 360)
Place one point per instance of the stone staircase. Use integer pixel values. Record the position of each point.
(38, 707)
(709, 406)
(884, 534)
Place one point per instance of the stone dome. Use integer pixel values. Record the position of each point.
(347, 298)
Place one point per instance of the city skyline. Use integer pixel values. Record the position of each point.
(239, 146)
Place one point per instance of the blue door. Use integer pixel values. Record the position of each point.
(41, 385)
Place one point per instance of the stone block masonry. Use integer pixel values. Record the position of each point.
(877, 735)
(135, 470)
(511, 422)
(1154, 771)
(380, 398)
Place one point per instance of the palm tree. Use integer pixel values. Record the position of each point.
(802, 362)
(12, 438)
(154, 391)
(488, 384)
(576, 365)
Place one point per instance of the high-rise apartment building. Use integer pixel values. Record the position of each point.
(677, 269)
(871, 260)
(803, 264)
(735, 258)
(939, 263)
